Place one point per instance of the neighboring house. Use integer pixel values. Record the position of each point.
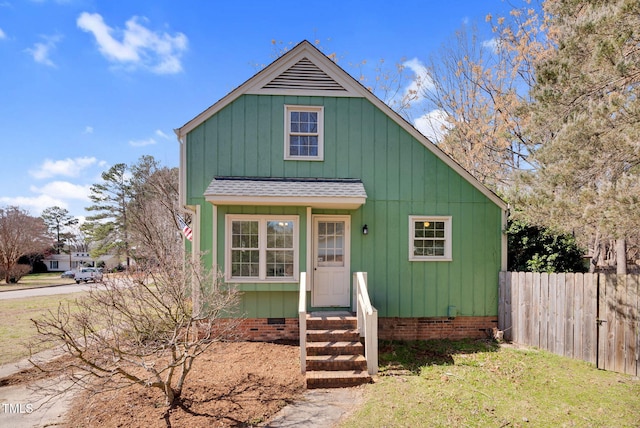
(302, 169)
(65, 262)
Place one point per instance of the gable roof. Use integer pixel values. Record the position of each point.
(305, 70)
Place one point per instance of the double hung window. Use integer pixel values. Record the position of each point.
(429, 238)
(303, 133)
(262, 248)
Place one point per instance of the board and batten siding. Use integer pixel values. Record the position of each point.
(401, 177)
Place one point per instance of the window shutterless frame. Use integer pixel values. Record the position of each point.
(261, 248)
(303, 132)
(429, 238)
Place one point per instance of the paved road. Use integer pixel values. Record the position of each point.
(46, 291)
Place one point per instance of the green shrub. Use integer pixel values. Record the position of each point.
(537, 249)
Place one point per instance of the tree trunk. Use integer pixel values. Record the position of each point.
(621, 256)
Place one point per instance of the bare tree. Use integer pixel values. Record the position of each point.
(148, 326)
(141, 329)
(20, 234)
(474, 98)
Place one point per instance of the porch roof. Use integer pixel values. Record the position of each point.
(340, 193)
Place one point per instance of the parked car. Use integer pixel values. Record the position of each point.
(68, 274)
(88, 274)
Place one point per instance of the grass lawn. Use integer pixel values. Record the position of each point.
(478, 383)
(36, 280)
(16, 328)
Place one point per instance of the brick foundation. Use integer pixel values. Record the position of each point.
(277, 329)
(436, 328)
(269, 329)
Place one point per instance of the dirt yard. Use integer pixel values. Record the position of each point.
(232, 385)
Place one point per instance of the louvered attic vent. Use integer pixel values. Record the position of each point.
(305, 75)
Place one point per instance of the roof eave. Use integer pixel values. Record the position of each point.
(344, 203)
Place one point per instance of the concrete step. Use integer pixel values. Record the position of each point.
(335, 348)
(333, 335)
(337, 379)
(336, 362)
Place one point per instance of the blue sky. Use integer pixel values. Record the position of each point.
(86, 84)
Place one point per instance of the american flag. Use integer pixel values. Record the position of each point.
(188, 233)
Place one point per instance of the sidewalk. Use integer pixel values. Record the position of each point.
(22, 407)
(320, 408)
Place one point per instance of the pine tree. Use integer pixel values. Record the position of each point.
(586, 118)
(56, 219)
(107, 229)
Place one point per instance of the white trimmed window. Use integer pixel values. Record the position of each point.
(429, 238)
(261, 248)
(303, 137)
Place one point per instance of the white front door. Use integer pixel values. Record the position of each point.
(331, 268)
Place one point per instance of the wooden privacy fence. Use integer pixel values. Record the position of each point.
(592, 317)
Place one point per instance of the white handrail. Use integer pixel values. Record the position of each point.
(362, 291)
(367, 321)
(302, 318)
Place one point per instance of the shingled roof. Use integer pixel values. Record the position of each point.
(346, 193)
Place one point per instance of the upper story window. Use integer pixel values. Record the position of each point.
(304, 133)
(429, 238)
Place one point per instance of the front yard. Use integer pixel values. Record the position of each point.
(433, 383)
(478, 383)
(16, 328)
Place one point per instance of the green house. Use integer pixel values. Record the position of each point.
(302, 173)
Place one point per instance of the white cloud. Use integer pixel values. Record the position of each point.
(35, 205)
(142, 143)
(161, 134)
(149, 141)
(421, 81)
(65, 167)
(57, 193)
(138, 46)
(433, 125)
(491, 44)
(88, 130)
(2, 34)
(64, 190)
(41, 51)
